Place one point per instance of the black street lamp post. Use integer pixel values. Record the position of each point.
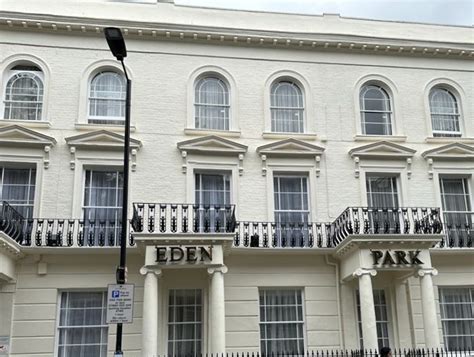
(116, 43)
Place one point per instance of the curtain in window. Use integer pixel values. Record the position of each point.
(212, 193)
(291, 208)
(211, 104)
(185, 323)
(107, 98)
(375, 111)
(457, 318)
(82, 325)
(287, 108)
(382, 192)
(444, 113)
(24, 96)
(103, 203)
(17, 187)
(281, 322)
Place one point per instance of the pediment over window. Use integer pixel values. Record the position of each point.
(382, 150)
(453, 151)
(101, 139)
(16, 135)
(290, 147)
(213, 145)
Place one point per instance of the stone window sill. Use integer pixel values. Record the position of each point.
(203, 132)
(117, 128)
(391, 138)
(304, 136)
(441, 140)
(26, 123)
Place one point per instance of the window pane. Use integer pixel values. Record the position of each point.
(211, 104)
(287, 108)
(444, 113)
(457, 317)
(24, 96)
(17, 187)
(185, 322)
(107, 98)
(82, 327)
(281, 321)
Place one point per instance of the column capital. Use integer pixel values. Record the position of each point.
(430, 271)
(361, 271)
(144, 270)
(221, 269)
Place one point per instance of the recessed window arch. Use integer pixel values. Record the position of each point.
(211, 103)
(376, 111)
(107, 92)
(444, 112)
(24, 92)
(286, 106)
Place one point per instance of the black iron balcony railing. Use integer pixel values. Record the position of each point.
(156, 218)
(170, 218)
(281, 235)
(459, 228)
(376, 221)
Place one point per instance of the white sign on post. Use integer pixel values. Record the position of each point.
(120, 303)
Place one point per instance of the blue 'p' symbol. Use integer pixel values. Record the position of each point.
(115, 293)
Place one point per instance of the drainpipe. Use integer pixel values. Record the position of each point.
(338, 298)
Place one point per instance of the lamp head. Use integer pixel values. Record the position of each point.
(116, 43)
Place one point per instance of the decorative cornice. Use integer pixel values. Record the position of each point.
(451, 151)
(238, 36)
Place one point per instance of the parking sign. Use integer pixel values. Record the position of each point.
(120, 303)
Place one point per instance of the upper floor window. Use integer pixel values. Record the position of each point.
(17, 187)
(444, 112)
(382, 191)
(375, 110)
(24, 90)
(107, 98)
(287, 107)
(211, 104)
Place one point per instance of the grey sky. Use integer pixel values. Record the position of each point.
(452, 12)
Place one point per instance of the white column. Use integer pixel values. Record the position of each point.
(150, 311)
(403, 315)
(217, 309)
(367, 308)
(428, 305)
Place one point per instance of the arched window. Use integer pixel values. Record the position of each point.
(107, 98)
(24, 93)
(287, 107)
(375, 110)
(211, 104)
(444, 113)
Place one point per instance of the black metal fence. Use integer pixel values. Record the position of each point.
(402, 352)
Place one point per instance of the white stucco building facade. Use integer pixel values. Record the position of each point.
(297, 182)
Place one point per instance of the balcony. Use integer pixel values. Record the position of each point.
(189, 219)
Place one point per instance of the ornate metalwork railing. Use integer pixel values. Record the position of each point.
(170, 218)
(281, 235)
(459, 229)
(376, 221)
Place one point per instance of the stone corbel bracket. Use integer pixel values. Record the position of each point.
(184, 166)
(356, 167)
(318, 165)
(409, 162)
(241, 164)
(264, 165)
(72, 162)
(430, 169)
(47, 149)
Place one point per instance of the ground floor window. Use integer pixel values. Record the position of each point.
(281, 322)
(82, 324)
(457, 317)
(185, 322)
(381, 318)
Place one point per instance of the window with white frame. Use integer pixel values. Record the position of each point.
(456, 203)
(286, 107)
(457, 317)
(23, 99)
(281, 322)
(382, 191)
(102, 205)
(107, 92)
(381, 318)
(185, 322)
(211, 104)
(290, 195)
(444, 112)
(375, 110)
(82, 328)
(17, 188)
(212, 194)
